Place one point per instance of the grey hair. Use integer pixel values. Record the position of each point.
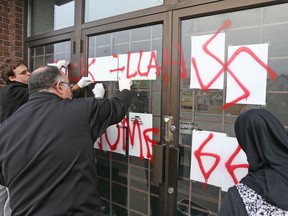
(44, 78)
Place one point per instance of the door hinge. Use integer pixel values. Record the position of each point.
(73, 47)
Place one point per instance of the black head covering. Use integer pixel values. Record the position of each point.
(264, 140)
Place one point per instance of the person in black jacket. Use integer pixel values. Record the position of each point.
(264, 190)
(15, 74)
(48, 164)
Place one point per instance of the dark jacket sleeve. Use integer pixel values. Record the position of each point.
(108, 112)
(2, 179)
(20, 94)
(232, 204)
(13, 96)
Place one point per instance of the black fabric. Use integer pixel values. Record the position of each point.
(14, 95)
(47, 157)
(232, 204)
(265, 142)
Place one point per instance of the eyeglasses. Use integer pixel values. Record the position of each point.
(67, 83)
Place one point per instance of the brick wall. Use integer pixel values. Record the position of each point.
(11, 30)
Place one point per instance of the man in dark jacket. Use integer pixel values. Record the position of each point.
(49, 164)
(15, 74)
(15, 94)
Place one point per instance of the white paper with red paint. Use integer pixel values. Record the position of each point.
(134, 66)
(99, 68)
(215, 161)
(205, 168)
(247, 74)
(138, 66)
(235, 161)
(113, 139)
(207, 60)
(140, 132)
(139, 145)
(99, 145)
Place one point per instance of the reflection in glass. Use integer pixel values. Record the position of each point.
(48, 15)
(109, 8)
(42, 55)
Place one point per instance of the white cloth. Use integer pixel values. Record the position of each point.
(5, 209)
(256, 205)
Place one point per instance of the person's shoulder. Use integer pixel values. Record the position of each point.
(233, 190)
(232, 204)
(16, 85)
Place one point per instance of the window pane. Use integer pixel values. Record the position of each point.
(49, 15)
(42, 55)
(94, 12)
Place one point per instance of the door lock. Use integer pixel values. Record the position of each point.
(168, 128)
(170, 190)
(172, 128)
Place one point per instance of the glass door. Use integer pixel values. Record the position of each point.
(217, 51)
(124, 152)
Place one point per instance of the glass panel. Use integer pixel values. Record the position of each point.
(113, 7)
(42, 55)
(203, 110)
(131, 190)
(48, 15)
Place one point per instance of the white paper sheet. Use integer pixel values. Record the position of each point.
(238, 160)
(212, 146)
(138, 123)
(99, 68)
(113, 139)
(208, 68)
(248, 72)
(216, 156)
(136, 68)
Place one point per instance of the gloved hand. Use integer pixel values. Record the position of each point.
(61, 64)
(84, 81)
(125, 84)
(98, 90)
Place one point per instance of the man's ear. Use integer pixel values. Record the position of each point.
(11, 78)
(59, 88)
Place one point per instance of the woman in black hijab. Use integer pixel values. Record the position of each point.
(264, 190)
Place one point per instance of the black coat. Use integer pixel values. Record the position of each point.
(47, 158)
(14, 95)
(232, 204)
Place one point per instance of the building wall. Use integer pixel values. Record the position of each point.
(11, 30)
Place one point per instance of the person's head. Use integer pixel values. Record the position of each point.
(263, 138)
(49, 79)
(14, 71)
